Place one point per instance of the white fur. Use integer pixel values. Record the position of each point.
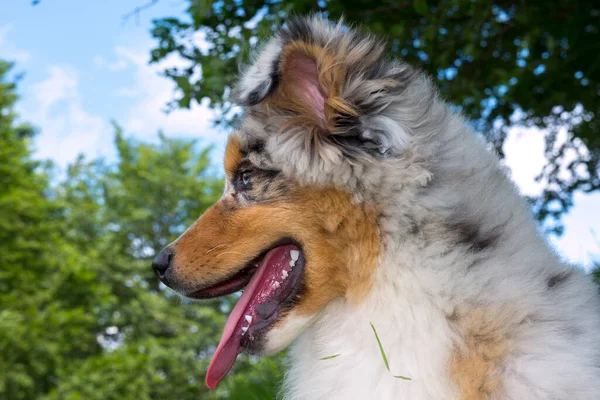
(283, 335)
(259, 72)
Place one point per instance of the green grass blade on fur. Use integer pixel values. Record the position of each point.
(385, 360)
(402, 377)
(329, 357)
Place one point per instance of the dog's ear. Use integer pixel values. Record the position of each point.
(299, 89)
(333, 83)
(302, 78)
(261, 77)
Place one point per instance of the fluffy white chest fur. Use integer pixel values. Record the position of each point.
(535, 344)
(414, 337)
(419, 343)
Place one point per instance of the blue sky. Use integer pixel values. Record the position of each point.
(85, 67)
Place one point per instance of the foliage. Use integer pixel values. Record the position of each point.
(501, 63)
(34, 269)
(82, 316)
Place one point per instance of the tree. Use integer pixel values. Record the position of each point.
(82, 316)
(155, 345)
(502, 63)
(45, 317)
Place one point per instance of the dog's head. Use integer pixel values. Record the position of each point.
(297, 225)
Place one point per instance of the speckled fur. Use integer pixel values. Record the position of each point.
(468, 299)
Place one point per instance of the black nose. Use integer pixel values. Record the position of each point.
(162, 262)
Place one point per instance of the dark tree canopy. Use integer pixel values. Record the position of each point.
(502, 63)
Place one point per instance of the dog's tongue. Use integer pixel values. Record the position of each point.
(261, 287)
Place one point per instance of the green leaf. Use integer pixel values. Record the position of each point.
(420, 6)
(402, 377)
(329, 357)
(385, 360)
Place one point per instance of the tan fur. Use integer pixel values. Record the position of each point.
(323, 221)
(233, 155)
(476, 364)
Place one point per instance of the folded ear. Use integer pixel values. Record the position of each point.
(302, 78)
(300, 90)
(332, 82)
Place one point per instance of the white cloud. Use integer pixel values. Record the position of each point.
(54, 106)
(581, 241)
(66, 128)
(524, 155)
(147, 116)
(8, 49)
(99, 61)
(117, 65)
(128, 92)
(524, 150)
(60, 85)
(200, 42)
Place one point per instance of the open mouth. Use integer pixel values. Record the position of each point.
(270, 283)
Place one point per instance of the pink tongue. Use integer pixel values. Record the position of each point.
(258, 288)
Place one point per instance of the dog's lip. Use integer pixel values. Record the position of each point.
(238, 280)
(229, 285)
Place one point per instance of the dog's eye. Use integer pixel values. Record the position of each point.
(246, 177)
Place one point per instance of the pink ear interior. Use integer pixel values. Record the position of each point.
(302, 77)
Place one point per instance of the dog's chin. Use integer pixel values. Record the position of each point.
(284, 332)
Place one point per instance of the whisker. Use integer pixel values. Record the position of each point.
(217, 246)
(230, 252)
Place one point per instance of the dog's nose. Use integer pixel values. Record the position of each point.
(162, 261)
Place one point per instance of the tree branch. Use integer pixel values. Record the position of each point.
(136, 11)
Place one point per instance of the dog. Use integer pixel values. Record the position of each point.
(372, 231)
